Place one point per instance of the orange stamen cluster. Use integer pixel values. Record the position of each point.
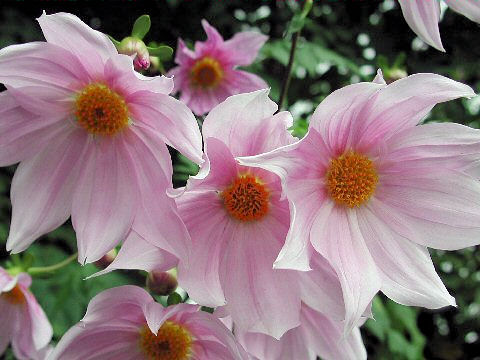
(100, 110)
(172, 342)
(351, 179)
(246, 199)
(14, 296)
(206, 73)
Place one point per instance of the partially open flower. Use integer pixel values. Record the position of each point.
(138, 50)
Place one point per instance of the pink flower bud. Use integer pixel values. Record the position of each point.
(161, 282)
(106, 259)
(135, 47)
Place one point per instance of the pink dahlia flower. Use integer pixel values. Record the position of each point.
(125, 323)
(423, 16)
(317, 335)
(239, 222)
(370, 190)
(92, 132)
(207, 76)
(22, 321)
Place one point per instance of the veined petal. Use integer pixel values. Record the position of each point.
(205, 217)
(243, 47)
(172, 119)
(423, 18)
(468, 8)
(138, 254)
(408, 274)
(71, 33)
(105, 199)
(213, 42)
(41, 330)
(36, 212)
(403, 104)
(238, 81)
(259, 298)
(336, 235)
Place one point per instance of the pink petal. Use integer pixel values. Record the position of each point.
(423, 18)
(69, 32)
(36, 211)
(23, 134)
(402, 105)
(379, 78)
(214, 40)
(237, 81)
(336, 235)
(183, 54)
(432, 214)
(6, 325)
(41, 330)
(40, 63)
(408, 274)
(469, 8)
(259, 298)
(172, 119)
(120, 75)
(246, 125)
(157, 220)
(105, 199)
(138, 254)
(243, 47)
(205, 217)
(123, 303)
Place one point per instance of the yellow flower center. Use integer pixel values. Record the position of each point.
(206, 73)
(172, 342)
(14, 296)
(246, 199)
(351, 179)
(100, 110)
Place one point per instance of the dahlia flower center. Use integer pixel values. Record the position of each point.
(246, 199)
(14, 296)
(100, 110)
(206, 73)
(172, 342)
(351, 179)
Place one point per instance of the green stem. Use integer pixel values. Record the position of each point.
(52, 268)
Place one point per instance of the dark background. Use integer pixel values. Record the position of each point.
(342, 42)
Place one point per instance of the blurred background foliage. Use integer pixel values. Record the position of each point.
(342, 42)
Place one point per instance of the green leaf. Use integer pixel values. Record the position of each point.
(115, 42)
(163, 52)
(141, 27)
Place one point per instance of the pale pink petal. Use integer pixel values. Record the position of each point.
(157, 220)
(432, 215)
(123, 303)
(246, 125)
(105, 199)
(69, 32)
(327, 339)
(379, 78)
(201, 100)
(211, 45)
(408, 274)
(469, 8)
(38, 209)
(205, 217)
(138, 254)
(98, 343)
(120, 75)
(7, 324)
(259, 298)
(321, 290)
(172, 119)
(183, 54)
(23, 134)
(423, 16)
(238, 81)
(243, 47)
(41, 330)
(402, 105)
(40, 63)
(337, 236)
(336, 114)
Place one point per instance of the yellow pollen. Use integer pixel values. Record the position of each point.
(206, 73)
(172, 342)
(351, 179)
(14, 296)
(246, 199)
(100, 110)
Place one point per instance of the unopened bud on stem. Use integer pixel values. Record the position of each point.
(133, 46)
(161, 282)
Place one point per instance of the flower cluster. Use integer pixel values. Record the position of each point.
(288, 239)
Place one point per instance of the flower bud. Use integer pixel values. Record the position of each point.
(106, 259)
(161, 282)
(135, 47)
